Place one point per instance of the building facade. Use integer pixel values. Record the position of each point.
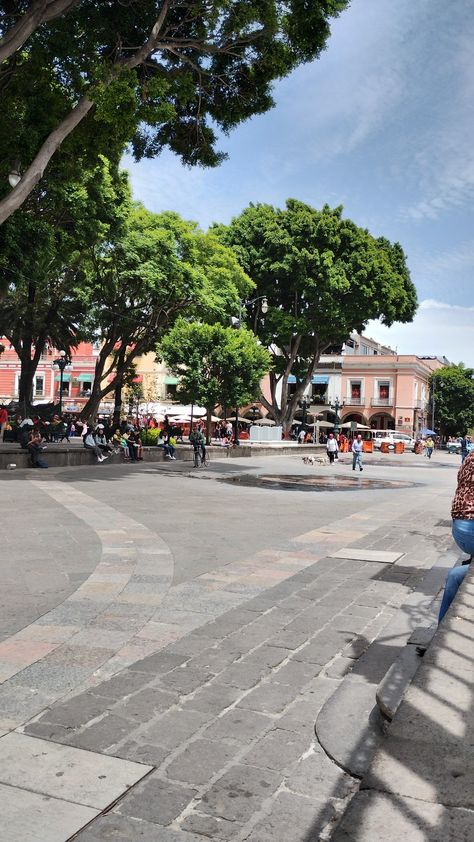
(78, 377)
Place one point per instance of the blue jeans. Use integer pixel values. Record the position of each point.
(463, 534)
(356, 460)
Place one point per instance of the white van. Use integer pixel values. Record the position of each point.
(391, 437)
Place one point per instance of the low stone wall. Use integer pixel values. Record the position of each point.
(63, 455)
(419, 786)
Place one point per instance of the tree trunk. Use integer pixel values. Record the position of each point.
(118, 389)
(39, 12)
(208, 426)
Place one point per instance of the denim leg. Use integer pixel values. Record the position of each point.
(454, 579)
(463, 534)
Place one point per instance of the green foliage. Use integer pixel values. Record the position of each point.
(160, 267)
(454, 399)
(213, 66)
(323, 277)
(216, 364)
(149, 437)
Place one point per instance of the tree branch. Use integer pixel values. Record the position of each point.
(39, 12)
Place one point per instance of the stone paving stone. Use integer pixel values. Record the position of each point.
(242, 675)
(215, 660)
(200, 761)
(323, 646)
(47, 731)
(373, 816)
(350, 623)
(174, 728)
(82, 777)
(18, 704)
(102, 734)
(266, 656)
(238, 725)
(123, 829)
(239, 793)
(210, 827)
(355, 648)
(145, 704)
(28, 817)
(277, 750)
(316, 776)
(185, 680)
(140, 752)
(269, 698)
(159, 663)
(213, 698)
(293, 818)
(290, 639)
(339, 667)
(156, 800)
(296, 673)
(190, 645)
(76, 711)
(121, 685)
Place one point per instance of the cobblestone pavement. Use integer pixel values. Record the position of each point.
(211, 684)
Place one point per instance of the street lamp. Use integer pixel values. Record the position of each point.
(61, 362)
(14, 177)
(304, 405)
(336, 407)
(237, 324)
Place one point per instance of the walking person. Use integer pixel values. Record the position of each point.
(465, 447)
(429, 445)
(357, 448)
(462, 513)
(331, 448)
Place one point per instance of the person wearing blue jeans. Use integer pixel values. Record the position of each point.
(462, 513)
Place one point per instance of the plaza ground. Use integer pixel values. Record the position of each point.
(169, 638)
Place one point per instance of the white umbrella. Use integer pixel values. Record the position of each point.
(241, 420)
(348, 425)
(264, 422)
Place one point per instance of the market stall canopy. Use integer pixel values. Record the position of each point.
(348, 425)
(263, 422)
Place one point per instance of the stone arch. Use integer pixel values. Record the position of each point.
(382, 421)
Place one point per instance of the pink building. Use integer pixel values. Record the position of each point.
(77, 378)
(387, 391)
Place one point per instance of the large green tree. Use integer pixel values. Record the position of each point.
(323, 277)
(453, 390)
(216, 365)
(43, 248)
(161, 267)
(155, 73)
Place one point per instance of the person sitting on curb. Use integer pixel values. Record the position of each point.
(357, 447)
(35, 447)
(462, 513)
(332, 447)
(101, 440)
(91, 444)
(165, 444)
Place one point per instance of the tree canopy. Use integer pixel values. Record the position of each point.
(453, 387)
(323, 277)
(95, 76)
(216, 365)
(135, 288)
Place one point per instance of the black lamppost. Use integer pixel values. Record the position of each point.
(336, 407)
(237, 323)
(61, 362)
(304, 405)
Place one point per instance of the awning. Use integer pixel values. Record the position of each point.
(85, 378)
(320, 378)
(292, 379)
(66, 377)
(171, 381)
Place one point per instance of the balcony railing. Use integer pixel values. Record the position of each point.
(382, 402)
(319, 400)
(354, 401)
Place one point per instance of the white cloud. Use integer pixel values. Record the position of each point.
(438, 329)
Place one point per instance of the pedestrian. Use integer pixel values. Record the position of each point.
(331, 447)
(3, 420)
(165, 444)
(301, 435)
(462, 513)
(465, 447)
(35, 447)
(429, 445)
(357, 448)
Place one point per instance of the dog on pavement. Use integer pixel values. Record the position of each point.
(308, 460)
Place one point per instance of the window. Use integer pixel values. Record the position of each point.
(319, 393)
(86, 388)
(39, 385)
(356, 390)
(364, 349)
(384, 391)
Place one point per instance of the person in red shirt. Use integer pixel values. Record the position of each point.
(3, 421)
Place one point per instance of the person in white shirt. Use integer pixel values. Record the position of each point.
(332, 447)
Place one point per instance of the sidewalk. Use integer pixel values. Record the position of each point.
(211, 736)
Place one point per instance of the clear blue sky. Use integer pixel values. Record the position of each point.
(383, 124)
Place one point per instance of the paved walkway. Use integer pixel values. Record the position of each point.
(207, 686)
